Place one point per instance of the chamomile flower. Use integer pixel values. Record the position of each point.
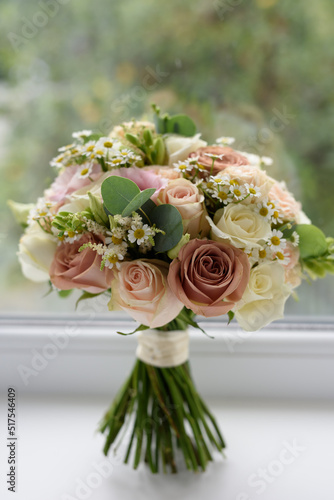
(214, 157)
(116, 237)
(81, 134)
(67, 148)
(220, 179)
(84, 171)
(88, 149)
(183, 166)
(139, 234)
(262, 254)
(113, 257)
(276, 241)
(253, 191)
(60, 161)
(71, 236)
(276, 217)
(41, 210)
(106, 142)
(282, 258)
(238, 192)
(225, 141)
(223, 194)
(266, 161)
(295, 239)
(265, 210)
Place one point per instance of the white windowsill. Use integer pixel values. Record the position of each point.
(287, 360)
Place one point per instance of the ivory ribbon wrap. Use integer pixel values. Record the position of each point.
(163, 349)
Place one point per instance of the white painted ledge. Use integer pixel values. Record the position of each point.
(85, 355)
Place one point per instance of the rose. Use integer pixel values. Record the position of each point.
(144, 179)
(209, 277)
(251, 175)
(179, 147)
(290, 208)
(240, 225)
(140, 288)
(186, 197)
(164, 172)
(73, 269)
(69, 181)
(229, 157)
(264, 298)
(36, 252)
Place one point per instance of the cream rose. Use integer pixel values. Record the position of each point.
(36, 252)
(179, 147)
(264, 298)
(240, 225)
(189, 201)
(140, 288)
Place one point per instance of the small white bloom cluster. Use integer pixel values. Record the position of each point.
(106, 150)
(41, 210)
(225, 189)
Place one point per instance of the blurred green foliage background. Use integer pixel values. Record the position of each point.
(259, 70)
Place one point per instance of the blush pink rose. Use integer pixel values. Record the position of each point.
(189, 201)
(73, 269)
(69, 181)
(141, 289)
(229, 158)
(209, 277)
(290, 208)
(164, 172)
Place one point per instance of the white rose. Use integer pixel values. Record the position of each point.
(240, 225)
(264, 298)
(36, 252)
(179, 147)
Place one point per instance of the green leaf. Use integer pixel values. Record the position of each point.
(117, 192)
(138, 201)
(178, 124)
(133, 139)
(138, 329)
(86, 295)
(230, 315)
(312, 242)
(64, 293)
(168, 219)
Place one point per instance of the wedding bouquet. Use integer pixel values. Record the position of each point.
(169, 228)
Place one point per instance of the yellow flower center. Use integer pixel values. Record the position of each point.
(113, 259)
(90, 148)
(183, 167)
(276, 214)
(60, 159)
(99, 152)
(234, 182)
(61, 238)
(74, 151)
(42, 214)
(252, 191)
(108, 144)
(84, 171)
(116, 161)
(271, 204)
(71, 234)
(275, 240)
(237, 192)
(280, 256)
(264, 211)
(209, 185)
(200, 167)
(116, 241)
(139, 233)
(222, 195)
(262, 254)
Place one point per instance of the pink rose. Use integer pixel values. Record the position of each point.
(209, 277)
(164, 172)
(70, 180)
(290, 208)
(73, 269)
(229, 158)
(186, 197)
(140, 288)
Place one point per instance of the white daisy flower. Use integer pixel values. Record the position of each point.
(59, 161)
(112, 258)
(220, 179)
(225, 141)
(139, 234)
(253, 191)
(71, 236)
(81, 134)
(276, 217)
(295, 239)
(84, 171)
(183, 166)
(223, 194)
(214, 157)
(88, 148)
(264, 210)
(276, 241)
(282, 258)
(238, 192)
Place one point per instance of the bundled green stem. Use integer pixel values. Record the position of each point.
(166, 413)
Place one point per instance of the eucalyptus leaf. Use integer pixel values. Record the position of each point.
(312, 241)
(168, 219)
(117, 193)
(138, 201)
